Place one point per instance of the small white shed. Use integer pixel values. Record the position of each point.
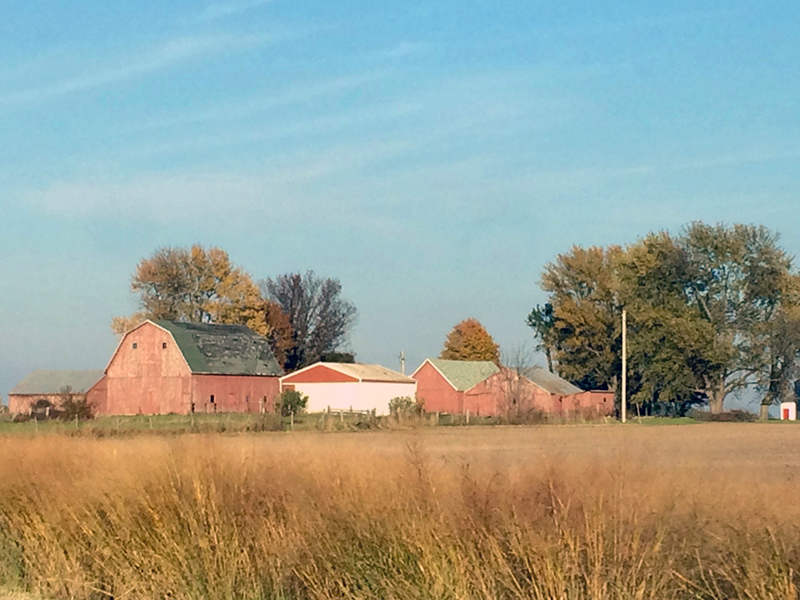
(788, 411)
(345, 386)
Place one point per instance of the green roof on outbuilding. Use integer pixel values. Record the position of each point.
(223, 349)
(53, 382)
(465, 374)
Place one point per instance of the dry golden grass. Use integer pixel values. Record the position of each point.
(702, 511)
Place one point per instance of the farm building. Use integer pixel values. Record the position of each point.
(344, 386)
(545, 391)
(484, 389)
(458, 386)
(164, 367)
(42, 389)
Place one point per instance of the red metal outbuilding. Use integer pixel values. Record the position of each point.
(484, 389)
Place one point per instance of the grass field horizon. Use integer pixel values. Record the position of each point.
(337, 421)
(582, 511)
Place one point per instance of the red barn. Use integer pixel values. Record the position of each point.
(458, 386)
(164, 367)
(484, 389)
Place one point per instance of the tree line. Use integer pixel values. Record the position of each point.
(711, 310)
(304, 317)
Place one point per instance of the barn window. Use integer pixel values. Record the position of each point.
(212, 398)
(134, 345)
(163, 345)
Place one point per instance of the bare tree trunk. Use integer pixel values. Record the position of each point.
(549, 356)
(716, 398)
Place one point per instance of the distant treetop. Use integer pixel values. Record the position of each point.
(469, 340)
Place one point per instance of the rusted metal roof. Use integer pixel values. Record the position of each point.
(223, 349)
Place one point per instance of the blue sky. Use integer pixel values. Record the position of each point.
(432, 156)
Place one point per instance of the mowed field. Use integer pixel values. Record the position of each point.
(586, 511)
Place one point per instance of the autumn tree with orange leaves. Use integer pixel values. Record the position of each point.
(469, 340)
(200, 285)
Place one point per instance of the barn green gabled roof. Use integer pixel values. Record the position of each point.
(223, 349)
(465, 374)
(53, 382)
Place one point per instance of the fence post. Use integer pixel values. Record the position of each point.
(467, 416)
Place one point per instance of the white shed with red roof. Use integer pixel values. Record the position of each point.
(345, 386)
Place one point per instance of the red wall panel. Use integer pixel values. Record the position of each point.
(234, 393)
(438, 394)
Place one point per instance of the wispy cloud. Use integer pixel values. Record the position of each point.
(351, 156)
(372, 187)
(167, 55)
(336, 123)
(243, 108)
(220, 10)
(590, 176)
(402, 50)
(290, 186)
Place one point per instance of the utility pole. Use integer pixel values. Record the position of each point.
(402, 362)
(624, 363)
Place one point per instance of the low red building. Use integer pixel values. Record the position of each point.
(539, 389)
(458, 386)
(484, 389)
(41, 390)
(165, 367)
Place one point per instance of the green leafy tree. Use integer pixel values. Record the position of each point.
(710, 311)
(72, 406)
(542, 320)
(402, 407)
(469, 340)
(585, 332)
(736, 283)
(291, 402)
(671, 351)
(780, 339)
